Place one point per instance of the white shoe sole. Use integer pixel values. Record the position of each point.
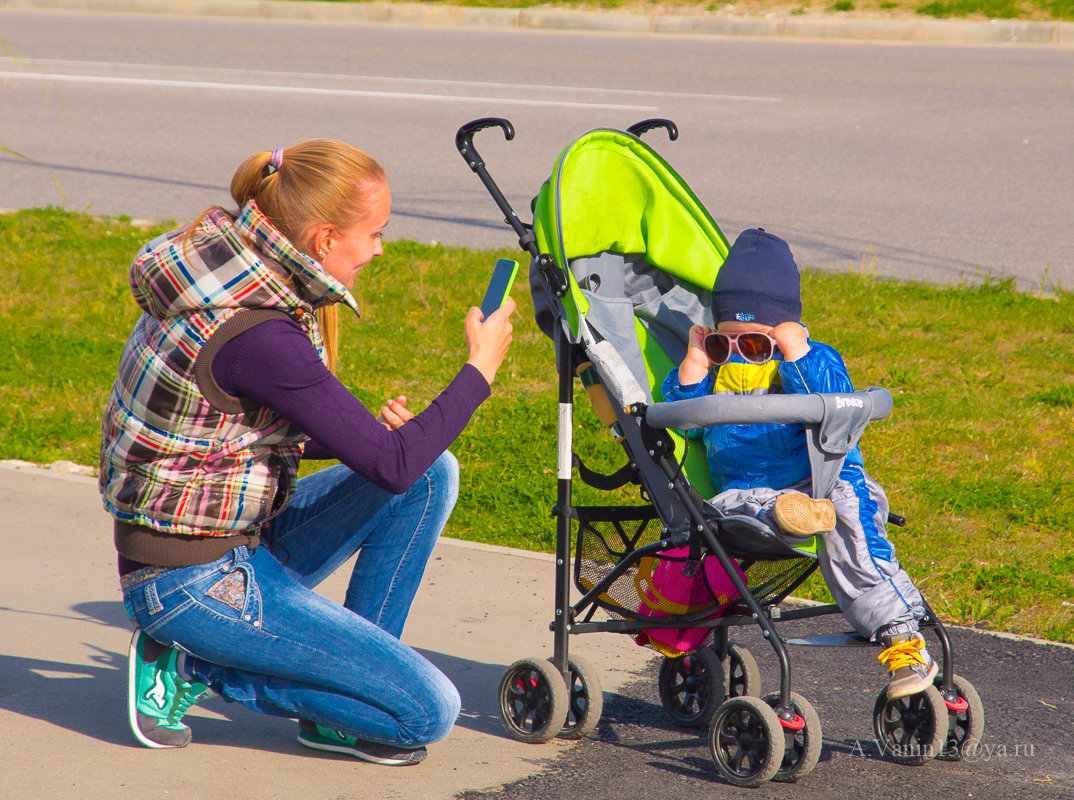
(898, 692)
(799, 515)
(390, 761)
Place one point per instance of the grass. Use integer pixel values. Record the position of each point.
(1039, 10)
(976, 455)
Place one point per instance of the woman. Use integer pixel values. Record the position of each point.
(222, 388)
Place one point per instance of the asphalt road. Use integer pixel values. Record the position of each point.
(1027, 751)
(921, 161)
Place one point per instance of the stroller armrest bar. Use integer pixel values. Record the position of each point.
(700, 412)
(834, 421)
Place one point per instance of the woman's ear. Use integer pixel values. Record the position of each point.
(319, 238)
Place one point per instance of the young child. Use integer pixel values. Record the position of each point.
(760, 346)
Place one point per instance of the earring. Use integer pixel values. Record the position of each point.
(322, 255)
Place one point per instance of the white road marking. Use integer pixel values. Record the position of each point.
(309, 90)
(473, 85)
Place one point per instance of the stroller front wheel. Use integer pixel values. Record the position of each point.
(911, 730)
(802, 741)
(746, 741)
(965, 724)
(533, 700)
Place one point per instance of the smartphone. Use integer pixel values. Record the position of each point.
(503, 276)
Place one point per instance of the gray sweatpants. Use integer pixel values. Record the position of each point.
(857, 559)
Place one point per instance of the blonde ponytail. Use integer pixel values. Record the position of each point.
(328, 321)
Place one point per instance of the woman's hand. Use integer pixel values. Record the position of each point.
(696, 364)
(487, 340)
(395, 413)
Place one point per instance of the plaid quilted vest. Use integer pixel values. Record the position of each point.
(179, 455)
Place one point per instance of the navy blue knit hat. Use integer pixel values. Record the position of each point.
(758, 282)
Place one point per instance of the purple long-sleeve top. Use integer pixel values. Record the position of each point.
(275, 364)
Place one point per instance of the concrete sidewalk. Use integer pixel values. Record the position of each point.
(63, 645)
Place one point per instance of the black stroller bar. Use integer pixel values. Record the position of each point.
(464, 142)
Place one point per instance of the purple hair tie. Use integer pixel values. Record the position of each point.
(275, 162)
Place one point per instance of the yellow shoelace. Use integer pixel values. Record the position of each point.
(903, 654)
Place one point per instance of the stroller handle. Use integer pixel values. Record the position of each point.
(872, 404)
(464, 142)
(646, 125)
(464, 138)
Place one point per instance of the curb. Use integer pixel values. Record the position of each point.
(68, 470)
(702, 24)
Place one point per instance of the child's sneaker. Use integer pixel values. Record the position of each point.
(319, 737)
(912, 668)
(799, 515)
(157, 695)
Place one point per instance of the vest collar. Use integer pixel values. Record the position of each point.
(315, 285)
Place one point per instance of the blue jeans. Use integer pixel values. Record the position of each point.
(260, 636)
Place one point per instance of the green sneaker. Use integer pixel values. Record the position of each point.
(319, 737)
(157, 696)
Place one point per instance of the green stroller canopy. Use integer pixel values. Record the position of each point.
(610, 192)
(640, 254)
(635, 243)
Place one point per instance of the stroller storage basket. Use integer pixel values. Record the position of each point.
(606, 538)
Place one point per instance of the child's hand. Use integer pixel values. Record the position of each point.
(792, 338)
(696, 364)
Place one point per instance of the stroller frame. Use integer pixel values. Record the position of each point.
(542, 699)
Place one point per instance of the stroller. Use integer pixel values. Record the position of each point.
(623, 259)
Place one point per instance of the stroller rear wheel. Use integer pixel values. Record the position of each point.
(693, 686)
(965, 723)
(802, 740)
(533, 700)
(911, 730)
(746, 741)
(740, 674)
(586, 701)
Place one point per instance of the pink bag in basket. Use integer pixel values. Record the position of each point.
(665, 591)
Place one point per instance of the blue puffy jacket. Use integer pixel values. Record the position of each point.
(750, 456)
